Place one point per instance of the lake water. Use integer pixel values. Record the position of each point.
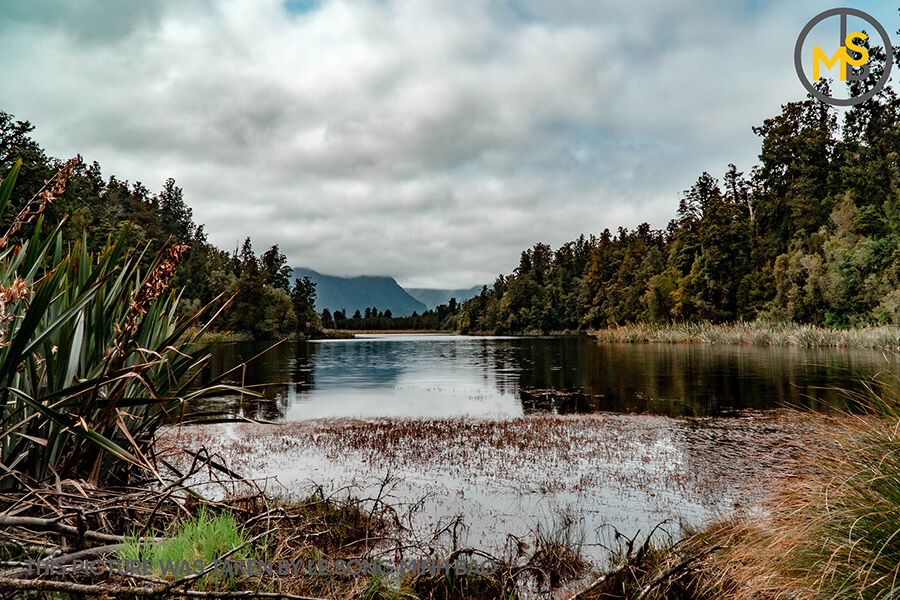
(443, 375)
(504, 435)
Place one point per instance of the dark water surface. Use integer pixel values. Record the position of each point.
(356, 414)
(423, 375)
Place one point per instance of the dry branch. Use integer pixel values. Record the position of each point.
(53, 525)
(67, 559)
(115, 590)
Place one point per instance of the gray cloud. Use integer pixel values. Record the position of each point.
(430, 140)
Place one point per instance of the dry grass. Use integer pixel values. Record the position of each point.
(830, 530)
(756, 333)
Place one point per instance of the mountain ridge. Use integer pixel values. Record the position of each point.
(359, 293)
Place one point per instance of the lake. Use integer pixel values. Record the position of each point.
(490, 436)
(443, 375)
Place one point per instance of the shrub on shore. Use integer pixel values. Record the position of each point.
(93, 358)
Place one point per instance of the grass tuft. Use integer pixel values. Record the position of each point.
(203, 539)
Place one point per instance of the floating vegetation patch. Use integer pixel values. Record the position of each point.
(501, 476)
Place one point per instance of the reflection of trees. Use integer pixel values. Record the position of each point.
(281, 374)
(683, 379)
(564, 375)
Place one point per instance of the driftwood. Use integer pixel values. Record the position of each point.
(65, 560)
(54, 525)
(113, 590)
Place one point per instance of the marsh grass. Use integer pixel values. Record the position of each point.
(830, 528)
(377, 587)
(558, 555)
(756, 333)
(204, 538)
(462, 587)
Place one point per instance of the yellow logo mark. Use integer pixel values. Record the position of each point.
(841, 55)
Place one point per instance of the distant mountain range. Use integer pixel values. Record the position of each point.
(433, 298)
(358, 293)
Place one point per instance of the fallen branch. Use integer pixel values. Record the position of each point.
(599, 581)
(40, 585)
(679, 568)
(630, 559)
(53, 525)
(66, 559)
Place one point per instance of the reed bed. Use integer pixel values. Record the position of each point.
(656, 464)
(830, 530)
(754, 333)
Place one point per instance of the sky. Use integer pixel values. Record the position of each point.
(428, 140)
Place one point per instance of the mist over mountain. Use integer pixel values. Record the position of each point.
(358, 293)
(433, 298)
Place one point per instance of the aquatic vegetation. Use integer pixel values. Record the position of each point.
(757, 333)
(630, 471)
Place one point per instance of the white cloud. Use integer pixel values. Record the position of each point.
(432, 140)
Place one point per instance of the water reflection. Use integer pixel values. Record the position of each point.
(437, 375)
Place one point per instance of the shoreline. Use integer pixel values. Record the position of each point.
(755, 333)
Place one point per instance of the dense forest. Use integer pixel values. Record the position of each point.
(810, 235)
(373, 319)
(263, 303)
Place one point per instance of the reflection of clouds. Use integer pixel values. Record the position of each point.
(402, 375)
(435, 375)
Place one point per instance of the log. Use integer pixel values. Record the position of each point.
(67, 559)
(53, 525)
(114, 590)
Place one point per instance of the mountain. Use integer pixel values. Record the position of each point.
(359, 293)
(433, 298)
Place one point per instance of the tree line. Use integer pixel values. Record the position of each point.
(372, 319)
(810, 235)
(263, 302)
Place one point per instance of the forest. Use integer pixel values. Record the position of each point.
(810, 235)
(253, 294)
(374, 319)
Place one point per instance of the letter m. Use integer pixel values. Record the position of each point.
(840, 55)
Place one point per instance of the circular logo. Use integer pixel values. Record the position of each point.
(842, 57)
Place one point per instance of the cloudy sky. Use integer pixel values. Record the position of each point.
(430, 140)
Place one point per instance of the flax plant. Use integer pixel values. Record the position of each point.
(92, 357)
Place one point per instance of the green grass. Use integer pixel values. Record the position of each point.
(204, 539)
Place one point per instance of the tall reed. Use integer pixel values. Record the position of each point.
(831, 529)
(756, 333)
(92, 356)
